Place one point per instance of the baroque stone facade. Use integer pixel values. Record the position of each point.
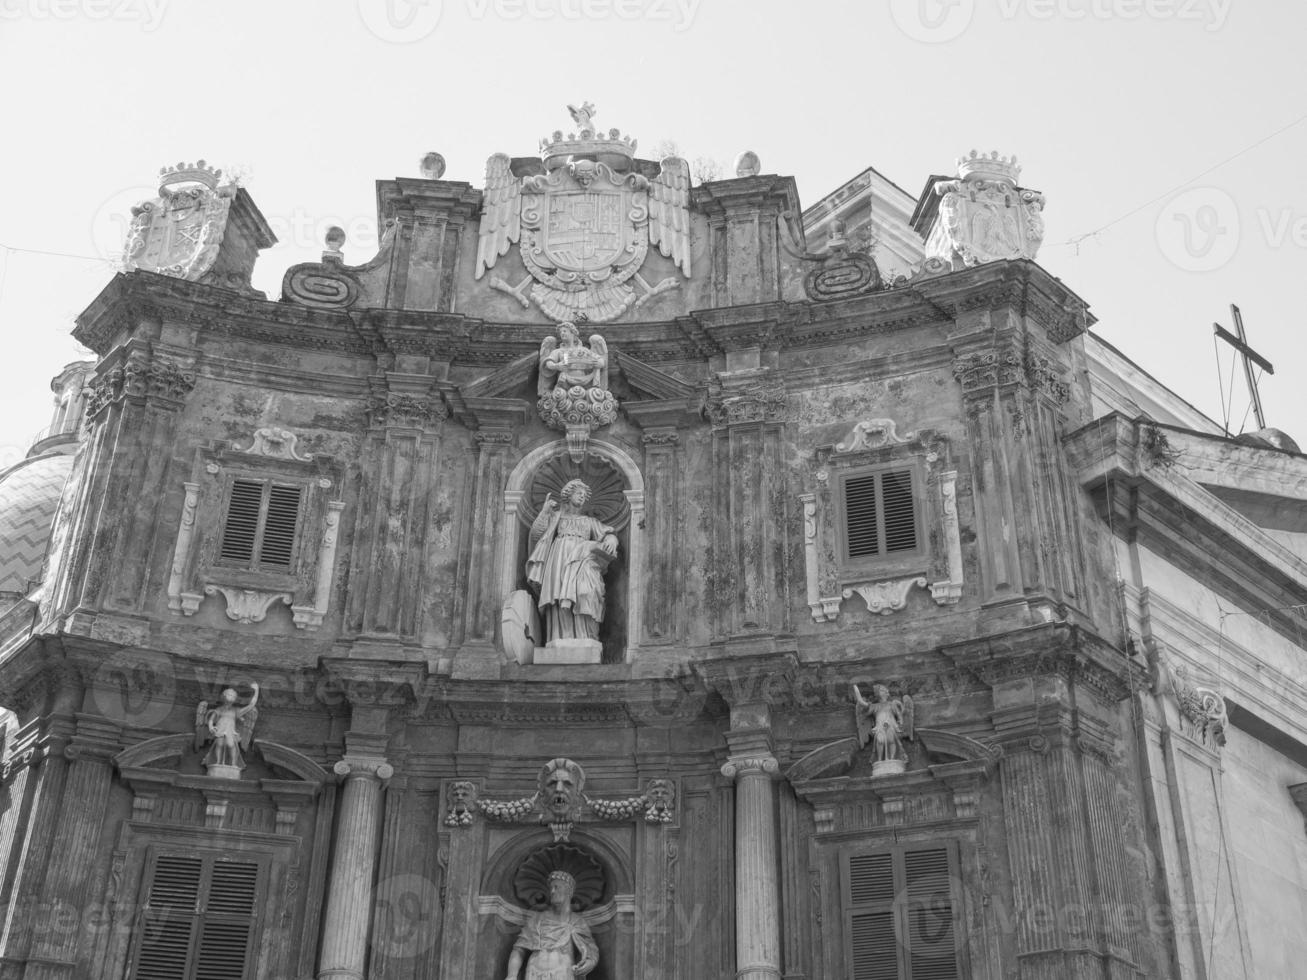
(821, 615)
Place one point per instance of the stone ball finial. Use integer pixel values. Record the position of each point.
(747, 164)
(335, 239)
(433, 166)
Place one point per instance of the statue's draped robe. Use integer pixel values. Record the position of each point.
(548, 939)
(563, 567)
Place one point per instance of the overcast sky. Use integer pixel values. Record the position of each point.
(1118, 110)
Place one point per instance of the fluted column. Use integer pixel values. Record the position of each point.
(757, 893)
(349, 895)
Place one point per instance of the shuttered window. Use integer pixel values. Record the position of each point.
(880, 514)
(900, 919)
(198, 920)
(261, 524)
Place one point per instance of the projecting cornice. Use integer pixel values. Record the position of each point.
(1142, 485)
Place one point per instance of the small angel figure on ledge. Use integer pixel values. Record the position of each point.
(887, 723)
(230, 727)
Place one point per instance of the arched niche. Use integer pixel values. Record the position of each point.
(614, 473)
(612, 921)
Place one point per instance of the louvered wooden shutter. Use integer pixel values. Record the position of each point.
(873, 946)
(244, 509)
(262, 520)
(880, 514)
(931, 940)
(899, 916)
(198, 922)
(278, 541)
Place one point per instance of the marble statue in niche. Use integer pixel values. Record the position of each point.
(230, 728)
(555, 943)
(568, 553)
(886, 723)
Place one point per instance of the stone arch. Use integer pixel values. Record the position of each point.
(513, 530)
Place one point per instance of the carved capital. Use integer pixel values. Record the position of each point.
(352, 767)
(751, 766)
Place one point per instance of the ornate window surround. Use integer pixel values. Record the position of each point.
(197, 570)
(513, 527)
(885, 581)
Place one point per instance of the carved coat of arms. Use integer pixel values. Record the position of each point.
(585, 226)
(985, 216)
(179, 233)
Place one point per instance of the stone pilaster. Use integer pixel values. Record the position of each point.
(76, 852)
(757, 893)
(432, 217)
(744, 228)
(349, 892)
(136, 397)
(747, 586)
(395, 502)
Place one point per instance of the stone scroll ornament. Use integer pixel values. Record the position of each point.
(228, 728)
(585, 226)
(573, 387)
(560, 802)
(886, 724)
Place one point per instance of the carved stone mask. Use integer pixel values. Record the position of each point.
(462, 795)
(662, 793)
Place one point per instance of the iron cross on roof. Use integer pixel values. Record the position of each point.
(1239, 341)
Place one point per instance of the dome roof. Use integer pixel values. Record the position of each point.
(29, 497)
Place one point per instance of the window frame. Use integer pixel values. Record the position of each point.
(898, 906)
(201, 914)
(883, 563)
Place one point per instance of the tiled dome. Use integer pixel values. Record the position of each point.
(29, 496)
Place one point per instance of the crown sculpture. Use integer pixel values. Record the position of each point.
(984, 215)
(584, 227)
(179, 233)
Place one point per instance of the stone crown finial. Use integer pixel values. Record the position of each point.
(993, 166)
(589, 142)
(189, 173)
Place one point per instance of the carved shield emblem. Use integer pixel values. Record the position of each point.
(586, 230)
(178, 234)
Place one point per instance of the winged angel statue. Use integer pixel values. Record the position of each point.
(230, 726)
(886, 722)
(584, 229)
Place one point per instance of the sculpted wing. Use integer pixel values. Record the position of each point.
(907, 724)
(862, 716)
(501, 217)
(201, 725)
(545, 382)
(245, 726)
(600, 347)
(669, 212)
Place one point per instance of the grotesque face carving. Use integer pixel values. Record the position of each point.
(662, 799)
(462, 795)
(560, 788)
